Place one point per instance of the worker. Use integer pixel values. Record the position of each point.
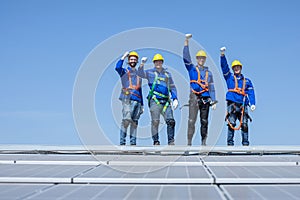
(159, 101)
(131, 96)
(240, 95)
(202, 94)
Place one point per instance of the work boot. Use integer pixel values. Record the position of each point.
(189, 143)
(156, 143)
(171, 143)
(203, 142)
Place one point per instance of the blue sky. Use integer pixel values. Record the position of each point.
(43, 43)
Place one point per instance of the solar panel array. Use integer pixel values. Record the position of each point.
(144, 176)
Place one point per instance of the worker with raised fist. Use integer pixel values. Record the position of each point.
(239, 97)
(131, 96)
(202, 93)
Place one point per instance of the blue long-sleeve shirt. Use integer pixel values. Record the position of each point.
(230, 81)
(193, 74)
(160, 86)
(135, 95)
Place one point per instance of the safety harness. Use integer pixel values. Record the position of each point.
(236, 87)
(200, 82)
(242, 92)
(128, 90)
(153, 94)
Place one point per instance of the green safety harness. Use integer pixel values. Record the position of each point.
(153, 94)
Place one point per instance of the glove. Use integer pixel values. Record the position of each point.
(223, 49)
(142, 110)
(175, 104)
(214, 106)
(188, 36)
(252, 108)
(144, 60)
(125, 55)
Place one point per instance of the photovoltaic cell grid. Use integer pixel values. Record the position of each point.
(55, 176)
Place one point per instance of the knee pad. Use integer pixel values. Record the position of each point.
(245, 127)
(171, 122)
(135, 122)
(155, 122)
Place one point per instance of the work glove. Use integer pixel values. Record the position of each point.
(214, 106)
(125, 55)
(223, 49)
(252, 108)
(175, 104)
(144, 60)
(188, 36)
(142, 110)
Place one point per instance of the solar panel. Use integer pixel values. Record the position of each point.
(83, 191)
(262, 191)
(256, 174)
(143, 173)
(19, 191)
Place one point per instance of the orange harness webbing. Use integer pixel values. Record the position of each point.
(237, 89)
(131, 86)
(200, 82)
(241, 121)
(242, 92)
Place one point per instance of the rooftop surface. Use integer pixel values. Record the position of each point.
(177, 172)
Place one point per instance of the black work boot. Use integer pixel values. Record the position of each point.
(156, 143)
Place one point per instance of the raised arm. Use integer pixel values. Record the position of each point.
(119, 66)
(141, 72)
(224, 64)
(186, 53)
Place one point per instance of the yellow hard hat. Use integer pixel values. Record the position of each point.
(133, 53)
(201, 53)
(157, 57)
(235, 63)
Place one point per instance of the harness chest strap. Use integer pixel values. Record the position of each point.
(152, 93)
(131, 86)
(200, 82)
(237, 89)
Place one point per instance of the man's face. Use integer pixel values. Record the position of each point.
(132, 61)
(237, 69)
(201, 60)
(158, 64)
